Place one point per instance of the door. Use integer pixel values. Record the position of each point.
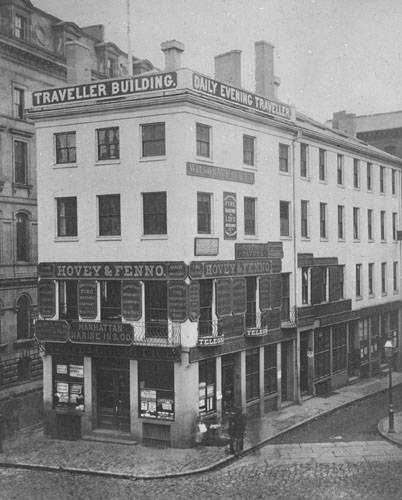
(227, 387)
(284, 365)
(113, 396)
(303, 365)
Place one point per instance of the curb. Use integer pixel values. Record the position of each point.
(391, 437)
(208, 468)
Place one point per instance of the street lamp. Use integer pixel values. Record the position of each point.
(389, 351)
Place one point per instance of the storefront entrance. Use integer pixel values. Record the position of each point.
(227, 383)
(113, 398)
(303, 365)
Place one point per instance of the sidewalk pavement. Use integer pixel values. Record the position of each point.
(33, 450)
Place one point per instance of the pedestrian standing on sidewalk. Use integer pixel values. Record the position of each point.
(239, 428)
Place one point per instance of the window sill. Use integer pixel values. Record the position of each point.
(396, 292)
(251, 237)
(151, 237)
(359, 298)
(205, 159)
(371, 296)
(66, 239)
(146, 159)
(250, 167)
(113, 161)
(65, 165)
(356, 240)
(305, 178)
(286, 237)
(305, 238)
(109, 238)
(356, 188)
(341, 240)
(17, 185)
(323, 238)
(341, 186)
(282, 172)
(384, 294)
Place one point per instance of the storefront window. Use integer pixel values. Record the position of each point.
(207, 385)
(68, 299)
(375, 338)
(322, 353)
(68, 383)
(364, 340)
(110, 300)
(338, 348)
(156, 389)
(252, 374)
(270, 370)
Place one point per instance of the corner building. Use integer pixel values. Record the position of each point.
(209, 248)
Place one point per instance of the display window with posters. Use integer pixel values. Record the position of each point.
(68, 383)
(156, 389)
(207, 385)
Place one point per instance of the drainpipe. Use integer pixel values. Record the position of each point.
(297, 360)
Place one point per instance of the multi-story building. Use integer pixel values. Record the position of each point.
(205, 247)
(37, 50)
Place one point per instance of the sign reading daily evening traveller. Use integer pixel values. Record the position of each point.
(240, 96)
(111, 88)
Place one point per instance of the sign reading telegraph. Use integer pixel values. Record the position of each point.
(112, 88)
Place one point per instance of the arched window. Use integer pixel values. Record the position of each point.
(23, 318)
(22, 238)
(24, 368)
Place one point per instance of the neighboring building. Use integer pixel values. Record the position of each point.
(37, 50)
(205, 248)
(382, 130)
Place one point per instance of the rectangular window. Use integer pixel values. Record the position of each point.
(341, 222)
(356, 173)
(68, 299)
(156, 389)
(204, 213)
(382, 179)
(358, 280)
(251, 302)
(341, 282)
(110, 300)
(153, 139)
(383, 277)
(111, 67)
(155, 214)
(203, 138)
(270, 370)
(322, 352)
(66, 149)
(249, 216)
(19, 103)
(339, 352)
(109, 215)
(305, 285)
(369, 177)
(394, 226)
(283, 158)
(323, 220)
(382, 225)
(108, 143)
(205, 324)
(395, 277)
(68, 383)
(248, 150)
(67, 216)
(156, 314)
(364, 339)
(339, 170)
(371, 278)
(322, 160)
(285, 302)
(324, 284)
(356, 223)
(20, 162)
(252, 374)
(393, 181)
(207, 385)
(21, 27)
(303, 160)
(370, 224)
(284, 209)
(304, 216)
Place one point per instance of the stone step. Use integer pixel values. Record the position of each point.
(105, 436)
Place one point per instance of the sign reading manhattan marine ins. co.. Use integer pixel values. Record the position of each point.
(240, 96)
(101, 333)
(111, 88)
(115, 270)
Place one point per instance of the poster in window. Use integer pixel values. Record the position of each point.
(131, 293)
(62, 387)
(229, 216)
(77, 371)
(87, 299)
(239, 305)
(223, 297)
(61, 369)
(47, 298)
(194, 301)
(177, 301)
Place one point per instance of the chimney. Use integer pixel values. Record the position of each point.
(266, 84)
(172, 50)
(345, 122)
(228, 68)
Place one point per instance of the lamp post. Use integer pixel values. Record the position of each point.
(389, 350)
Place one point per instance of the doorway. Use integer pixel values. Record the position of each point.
(113, 399)
(228, 386)
(303, 365)
(284, 369)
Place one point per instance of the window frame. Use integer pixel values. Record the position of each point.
(249, 157)
(21, 31)
(358, 281)
(323, 221)
(395, 274)
(21, 166)
(356, 223)
(371, 280)
(304, 160)
(340, 170)
(250, 216)
(284, 158)
(67, 218)
(356, 173)
(285, 226)
(207, 214)
(383, 278)
(270, 370)
(383, 225)
(394, 226)
(71, 151)
(18, 102)
(203, 142)
(113, 217)
(393, 182)
(108, 144)
(305, 219)
(322, 164)
(382, 180)
(341, 222)
(252, 374)
(370, 232)
(159, 226)
(157, 144)
(22, 248)
(369, 176)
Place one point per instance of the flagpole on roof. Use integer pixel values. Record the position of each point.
(129, 54)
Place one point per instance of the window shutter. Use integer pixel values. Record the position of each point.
(316, 285)
(276, 290)
(334, 285)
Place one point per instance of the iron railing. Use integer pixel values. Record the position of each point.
(210, 328)
(157, 333)
(288, 317)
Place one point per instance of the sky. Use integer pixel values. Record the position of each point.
(330, 55)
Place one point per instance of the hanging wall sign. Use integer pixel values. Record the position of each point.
(131, 295)
(194, 301)
(239, 305)
(87, 299)
(101, 333)
(229, 216)
(47, 298)
(177, 301)
(223, 297)
(52, 331)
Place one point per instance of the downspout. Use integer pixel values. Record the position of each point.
(295, 288)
